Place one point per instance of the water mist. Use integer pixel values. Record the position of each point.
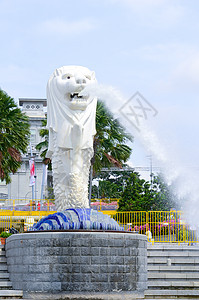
(175, 173)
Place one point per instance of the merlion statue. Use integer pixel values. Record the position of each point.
(71, 124)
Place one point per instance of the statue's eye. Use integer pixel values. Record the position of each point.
(67, 76)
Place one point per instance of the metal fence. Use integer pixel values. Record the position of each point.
(23, 213)
(159, 226)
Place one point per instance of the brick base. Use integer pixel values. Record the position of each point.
(53, 262)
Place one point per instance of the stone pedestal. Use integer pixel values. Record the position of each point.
(77, 262)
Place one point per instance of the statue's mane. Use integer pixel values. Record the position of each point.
(58, 110)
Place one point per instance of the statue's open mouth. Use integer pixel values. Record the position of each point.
(76, 96)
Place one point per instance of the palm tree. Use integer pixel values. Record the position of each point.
(110, 140)
(14, 136)
(44, 144)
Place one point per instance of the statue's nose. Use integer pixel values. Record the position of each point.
(80, 79)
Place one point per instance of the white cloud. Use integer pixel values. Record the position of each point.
(161, 52)
(179, 64)
(137, 4)
(18, 81)
(182, 69)
(13, 73)
(188, 69)
(161, 13)
(63, 28)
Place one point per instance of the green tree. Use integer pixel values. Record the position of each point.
(137, 195)
(164, 196)
(109, 189)
(14, 136)
(110, 141)
(43, 145)
(111, 183)
(94, 192)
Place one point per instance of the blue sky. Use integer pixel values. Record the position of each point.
(150, 46)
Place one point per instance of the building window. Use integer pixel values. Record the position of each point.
(33, 136)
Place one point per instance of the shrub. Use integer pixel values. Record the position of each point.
(5, 234)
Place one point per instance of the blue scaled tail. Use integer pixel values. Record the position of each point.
(77, 218)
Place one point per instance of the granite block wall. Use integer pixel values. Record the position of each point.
(77, 261)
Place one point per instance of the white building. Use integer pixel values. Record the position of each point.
(19, 187)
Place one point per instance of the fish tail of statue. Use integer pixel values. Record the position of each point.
(71, 183)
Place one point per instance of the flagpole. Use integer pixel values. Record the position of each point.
(33, 195)
(42, 185)
(35, 188)
(43, 182)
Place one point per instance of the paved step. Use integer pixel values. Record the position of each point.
(2, 253)
(173, 271)
(5, 284)
(6, 291)
(3, 267)
(3, 259)
(176, 268)
(171, 246)
(183, 276)
(182, 261)
(180, 294)
(173, 284)
(182, 253)
(4, 275)
(10, 293)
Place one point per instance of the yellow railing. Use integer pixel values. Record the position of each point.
(131, 220)
(159, 226)
(22, 214)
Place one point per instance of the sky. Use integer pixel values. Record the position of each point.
(145, 46)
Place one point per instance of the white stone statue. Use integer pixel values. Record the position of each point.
(71, 124)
